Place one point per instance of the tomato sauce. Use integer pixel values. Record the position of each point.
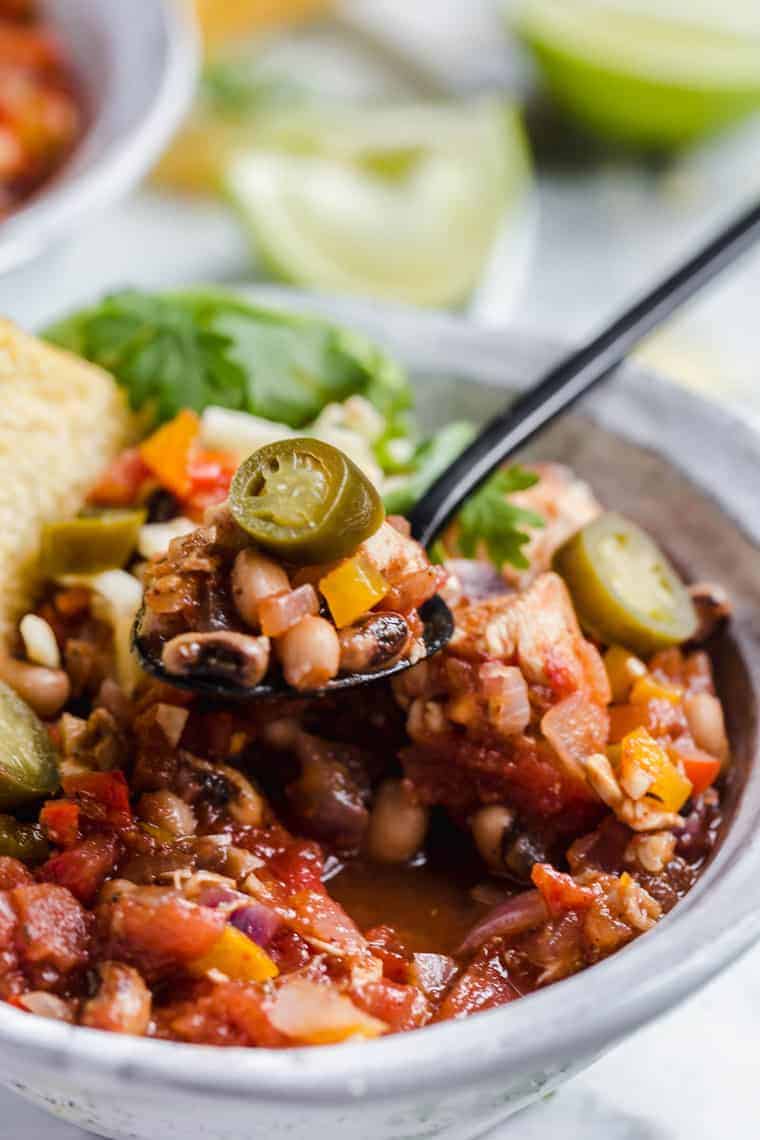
(41, 112)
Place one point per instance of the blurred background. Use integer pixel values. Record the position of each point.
(528, 162)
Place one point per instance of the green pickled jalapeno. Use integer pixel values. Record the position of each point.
(90, 544)
(304, 501)
(23, 841)
(624, 589)
(28, 761)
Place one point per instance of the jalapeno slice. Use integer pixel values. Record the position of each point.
(28, 763)
(23, 841)
(304, 501)
(624, 588)
(90, 544)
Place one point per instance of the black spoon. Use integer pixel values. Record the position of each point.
(559, 388)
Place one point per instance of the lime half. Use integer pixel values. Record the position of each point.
(401, 202)
(654, 74)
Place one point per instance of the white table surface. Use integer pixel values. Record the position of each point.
(695, 1075)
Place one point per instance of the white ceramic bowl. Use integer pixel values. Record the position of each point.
(137, 63)
(651, 451)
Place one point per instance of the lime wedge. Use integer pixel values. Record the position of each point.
(654, 74)
(401, 202)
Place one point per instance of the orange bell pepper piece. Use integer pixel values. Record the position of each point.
(646, 689)
(641, 756)
(169, 450)
(236, 956)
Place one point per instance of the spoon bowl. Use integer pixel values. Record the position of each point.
(438, 629)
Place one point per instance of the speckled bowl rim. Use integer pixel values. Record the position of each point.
(715, 923)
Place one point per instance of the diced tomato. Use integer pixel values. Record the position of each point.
(400, 1007)
(84, 868)
(299, 867)
(386, 944)
(60, 820)
(53, 931)
(319, 916)
(559, 891)
(289, 951)
(121, 482)
(8, 922)
(11, 979)
(158, 931)
(13, 874)
(210, 475)
(102, 795)
(211, 470)
(701, 768)
(483, 985)
(226, 1013)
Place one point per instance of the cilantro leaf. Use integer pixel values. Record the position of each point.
(195, 349)
(489, 518)
(430, 458)
(164, 359)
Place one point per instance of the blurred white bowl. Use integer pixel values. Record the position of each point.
(137, 65)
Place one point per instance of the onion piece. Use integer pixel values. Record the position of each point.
(477, 579)
(311, 1013)
(507, 693)
(576, 728)
(280, 612)
(256, 922)
(517, 915)
(47, 1005)
(219, 897)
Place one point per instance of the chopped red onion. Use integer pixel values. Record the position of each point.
(257, 922)
(517, 915)
(478, 579)
(219, 896)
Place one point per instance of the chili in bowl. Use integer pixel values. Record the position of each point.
(520, 807)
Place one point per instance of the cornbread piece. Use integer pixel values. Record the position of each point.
(61, 422)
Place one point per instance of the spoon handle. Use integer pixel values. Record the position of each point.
(575, 375)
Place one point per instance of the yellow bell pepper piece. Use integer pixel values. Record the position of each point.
(236, 956)
(167, 452)
(351, 589)
(623, 669)
(646, 772)
(647, 689)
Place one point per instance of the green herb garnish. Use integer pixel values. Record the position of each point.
(429, 460)
(158, 352)
(208, 347)
(489, 518)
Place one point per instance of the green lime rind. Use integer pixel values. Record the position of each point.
(638, 79)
